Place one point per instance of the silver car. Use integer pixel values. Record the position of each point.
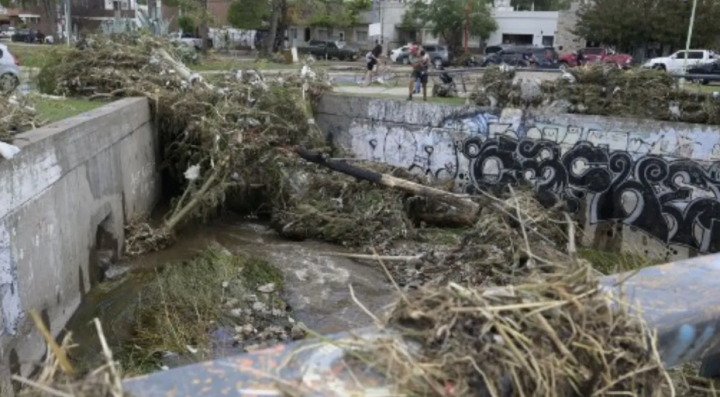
(9, 70)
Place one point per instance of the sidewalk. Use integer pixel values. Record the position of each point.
(400, 91)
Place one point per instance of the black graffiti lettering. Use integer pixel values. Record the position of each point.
(674, 201)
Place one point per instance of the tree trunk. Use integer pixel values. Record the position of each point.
(466, 209)
(204, 27)
(274, 21)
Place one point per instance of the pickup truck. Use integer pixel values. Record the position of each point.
(597, 55)
(188, 39)
(674, 63)
(331, 50)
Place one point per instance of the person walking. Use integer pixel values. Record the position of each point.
(371, 61)
(420, 66)
(581, 60)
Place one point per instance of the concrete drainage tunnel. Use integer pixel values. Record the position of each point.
(240, 280)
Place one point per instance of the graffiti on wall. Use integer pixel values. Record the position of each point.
(10, 306)
(645, 181)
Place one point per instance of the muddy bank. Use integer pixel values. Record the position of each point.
(315, 290)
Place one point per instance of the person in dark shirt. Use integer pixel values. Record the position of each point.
(580, 58)
(371, 60)
(377, 51)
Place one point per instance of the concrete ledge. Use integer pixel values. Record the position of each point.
(66, 194)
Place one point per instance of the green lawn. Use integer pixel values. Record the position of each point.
(220, 64)
(30, 55)
(54, 110)
(702, 88)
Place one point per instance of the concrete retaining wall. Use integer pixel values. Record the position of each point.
(637, 185)
(70, 189)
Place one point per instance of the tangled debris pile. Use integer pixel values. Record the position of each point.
(601, 90)
(558, 337)
(343, 210)
(16, 115)
(509, 313)
(219, 140)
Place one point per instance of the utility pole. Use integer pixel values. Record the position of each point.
(382, 24)
(687, 42)
(467, 24)
(68, 22)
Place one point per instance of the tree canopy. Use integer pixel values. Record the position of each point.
(447, 19)
(254, 14)
(628, 23)
(249, 14)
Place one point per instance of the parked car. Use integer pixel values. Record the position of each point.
(187, 38)
(401, 55)
(513, 56)
(712, 68)
(28, 36)
(9, 70)
(7, 31)
(496, 48)
(674, 63)
(598, 55)
(322, 49)
(440, 55)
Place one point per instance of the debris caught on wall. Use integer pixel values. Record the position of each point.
(602, 90)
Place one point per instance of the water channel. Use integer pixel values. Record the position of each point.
(316, 285)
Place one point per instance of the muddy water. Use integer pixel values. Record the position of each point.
(317, 286)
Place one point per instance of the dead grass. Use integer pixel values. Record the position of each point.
(178, 310)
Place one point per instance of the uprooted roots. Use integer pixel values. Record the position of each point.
(142, 237)
(561, 337)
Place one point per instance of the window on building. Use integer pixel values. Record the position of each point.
(294, 33)
(361, 36)
(322, 34)
(117, 6)
(548, 41)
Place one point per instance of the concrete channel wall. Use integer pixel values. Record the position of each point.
(63, 198)
(638, 185)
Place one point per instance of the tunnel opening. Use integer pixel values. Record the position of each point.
(103, 253)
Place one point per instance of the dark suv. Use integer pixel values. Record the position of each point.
(513, 56)
(439, 54)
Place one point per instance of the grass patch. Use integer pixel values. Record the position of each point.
(612, 262)
(29, 55)
(56, 110)
(209, 65)
(187, 301)
(710, 88)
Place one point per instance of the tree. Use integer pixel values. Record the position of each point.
(632, 23)
(249, 14)
(186, 23)
(447, 19)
